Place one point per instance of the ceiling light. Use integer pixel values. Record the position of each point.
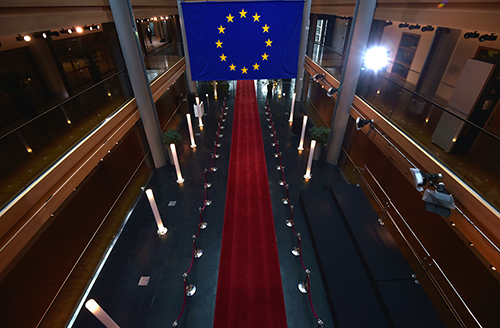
(27, 38)
(403, 25)
(79, 29)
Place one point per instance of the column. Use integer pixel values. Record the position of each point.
(191, 83)
(131, 49)
(302, 50)
(361, 24)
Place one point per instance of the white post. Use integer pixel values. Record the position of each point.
(308, 175)
(303, 133)
(200, 122)
(293, 107)
(215, 89)
(161, 228)
(99, 313)
(190, 127)
(176, 163)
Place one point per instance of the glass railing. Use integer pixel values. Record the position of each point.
(32, 148)
(468, 150)
(29, 150)
(161, 61)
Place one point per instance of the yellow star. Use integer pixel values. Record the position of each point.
(256, 17)
(264, 56)
(223, 57)
(230, 18)
(219, 44)
(266, 28)
(243, 13)
(256, 67)
(221, 29)
(268, 43)
(232, 67)
(244, 70)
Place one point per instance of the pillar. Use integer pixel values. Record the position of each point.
(361, 25)
(302, 49)
(191, 83)
(131, 49)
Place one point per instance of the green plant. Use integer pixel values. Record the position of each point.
(90, 58)
(320, 134)
(171, 136)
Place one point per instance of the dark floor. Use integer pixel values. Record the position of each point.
(139, 252)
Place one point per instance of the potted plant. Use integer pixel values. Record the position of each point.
(321, 135)
(91, 61)
(169, 137)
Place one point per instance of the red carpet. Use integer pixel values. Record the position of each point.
(249, 290)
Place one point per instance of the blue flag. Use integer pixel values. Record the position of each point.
(243, 40)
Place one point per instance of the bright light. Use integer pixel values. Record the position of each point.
(79, 29)
(303, 133)
(27, 38)
(44, 35)
(91, 305)
(308, 175)
(190, 127)
(376, 58)
(161, 228)
(70, 31)
(180, 179)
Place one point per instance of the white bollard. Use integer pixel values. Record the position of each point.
(176, 163)
(190, 127)
(293, 107)
(99, 313)
(161, 228)
(308, 175)
(302, 134)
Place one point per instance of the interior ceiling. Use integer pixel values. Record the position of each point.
(28, 16)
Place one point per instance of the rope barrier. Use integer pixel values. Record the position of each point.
(189, 289)
(304, 286)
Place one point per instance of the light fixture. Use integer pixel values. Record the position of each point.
(486, 37)
(293, 107)
(100, 314)
(414, 27)
(25, 38)
(162, 230)
(180, 179)
(453, 224)
(402, 25)
(362, 122)
(155, 19)
(389, 23)
(493, 268)
(303, 133)
(439, 201)
(471, 244)
(70, 31)
(190, 127)
(308, 175)
(421, 179)
(331, 91)
(317, 77)
(427, 28)
(376, 58)
(79, 29)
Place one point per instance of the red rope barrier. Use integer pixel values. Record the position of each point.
(290, 206)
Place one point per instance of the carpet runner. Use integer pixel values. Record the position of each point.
(249, 289)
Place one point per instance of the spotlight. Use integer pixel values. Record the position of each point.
(331, 91)
(79, 29)
(421, 179)
(389, 23)
(439, 201)
(486, 37)
(44, 35)
(25, 38)
(317, 77)
(70, 31)
(362, 122)
(471, 35)
(427, 28)
(55, 33)
(376, 58)
(414, 27)
(403, 25)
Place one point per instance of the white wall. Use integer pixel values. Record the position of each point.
(465, 49)
(390, 40)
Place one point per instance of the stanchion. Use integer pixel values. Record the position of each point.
(289, 223)
(203, 225)
(287, 198)
(207, 184)
(190, 289)
(100, 314)
(304, 285)
(296, 249)
(198, 252)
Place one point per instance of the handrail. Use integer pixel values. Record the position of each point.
(61, 104)
(415, 254)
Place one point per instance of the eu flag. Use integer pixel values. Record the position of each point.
(243, 40)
